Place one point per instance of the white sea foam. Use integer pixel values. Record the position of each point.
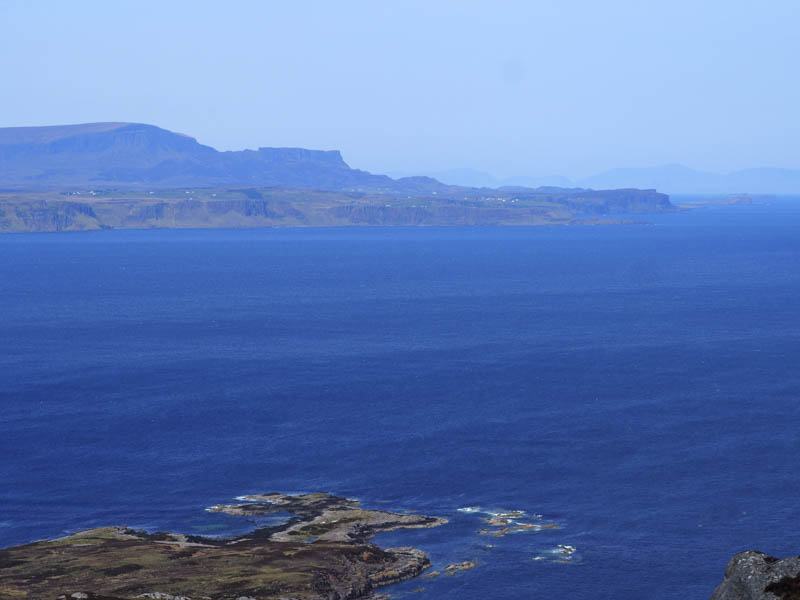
(256, 498)
(497, 512)
(486, 511)
(562, 553)
(506, 514)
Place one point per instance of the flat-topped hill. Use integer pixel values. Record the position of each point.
(134, 155)
(50, 133)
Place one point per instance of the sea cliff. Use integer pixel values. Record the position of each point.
(81, 210)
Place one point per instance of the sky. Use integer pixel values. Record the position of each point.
(510, 87)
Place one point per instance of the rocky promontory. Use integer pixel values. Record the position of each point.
(249, 207)
(321, 551)
(754, 575)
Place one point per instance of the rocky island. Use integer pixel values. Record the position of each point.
(321, 551)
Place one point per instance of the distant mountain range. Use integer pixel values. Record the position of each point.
(132, 175)
(482, 179)
(135, 155)
(670, 179)
(678, 179)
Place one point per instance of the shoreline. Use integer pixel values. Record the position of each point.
(321, 551)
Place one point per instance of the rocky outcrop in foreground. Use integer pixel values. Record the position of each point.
(321, 552)
(755, 576)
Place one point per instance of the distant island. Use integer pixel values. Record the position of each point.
(670, 178)
(731, 200)
(129, 175)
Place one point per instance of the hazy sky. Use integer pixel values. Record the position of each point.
(514, 88)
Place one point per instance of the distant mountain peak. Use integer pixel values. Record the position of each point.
(50, 133)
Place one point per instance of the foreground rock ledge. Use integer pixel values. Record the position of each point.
(753, 575)
(321, 552)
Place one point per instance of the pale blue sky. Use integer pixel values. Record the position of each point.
(514, 88)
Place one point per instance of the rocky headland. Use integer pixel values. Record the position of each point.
(754, 575)
(134, 176)
(238, 208)
(321, 551)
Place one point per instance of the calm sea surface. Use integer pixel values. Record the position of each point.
(639, 386)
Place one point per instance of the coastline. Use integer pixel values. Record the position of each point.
(246, 208)
(322, 551)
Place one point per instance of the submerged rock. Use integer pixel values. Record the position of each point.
(464, 565)
(754, 575)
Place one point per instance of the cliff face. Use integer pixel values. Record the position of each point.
(596, 202)
(755, 576)
(270, 207)
(44, 216)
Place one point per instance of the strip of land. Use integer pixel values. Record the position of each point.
(322, 551)
(85, 210)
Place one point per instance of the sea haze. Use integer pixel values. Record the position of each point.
(636, 385)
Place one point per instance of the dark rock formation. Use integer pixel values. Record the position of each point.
(755, 576)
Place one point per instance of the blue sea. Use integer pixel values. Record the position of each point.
(638, 386)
